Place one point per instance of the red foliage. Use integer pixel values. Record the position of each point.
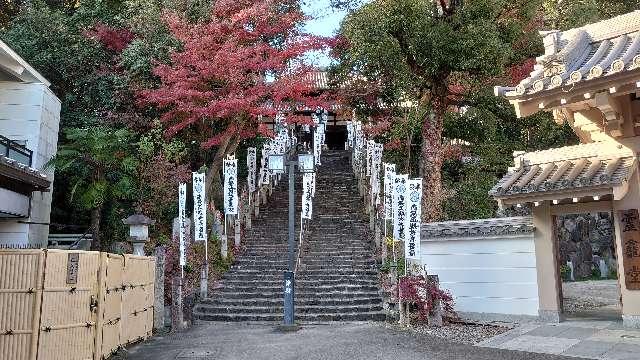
(232, 70)
(113, 39)
(424, 294)
(520, 72)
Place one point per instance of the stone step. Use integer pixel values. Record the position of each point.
(301, 293)
(299, 302)
(303, 318)
(307, 309)
(344, 287)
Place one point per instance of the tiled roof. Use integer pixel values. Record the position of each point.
(583, 54)
(579, 167)
(319, 80)
(24, 173)
(473, 228)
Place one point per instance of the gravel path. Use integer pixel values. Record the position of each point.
(353, 341)
(591, 297)
(470, 334)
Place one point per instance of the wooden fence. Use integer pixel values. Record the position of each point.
(73, 305)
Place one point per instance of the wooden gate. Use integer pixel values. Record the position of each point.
(73, 305)
(20, 295)
(110, 319)
(69, 305)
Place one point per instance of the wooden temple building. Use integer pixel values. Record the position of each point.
(588, 77)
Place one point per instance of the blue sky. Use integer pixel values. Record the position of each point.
(326, 22)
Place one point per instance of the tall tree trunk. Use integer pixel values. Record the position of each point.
(96, 216)
(431, 160)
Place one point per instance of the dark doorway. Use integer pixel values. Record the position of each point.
(336, 137)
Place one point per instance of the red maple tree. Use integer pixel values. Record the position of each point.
(244, 63)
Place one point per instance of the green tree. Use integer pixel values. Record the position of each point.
(567, 14)
(100, 167)
(431, 52)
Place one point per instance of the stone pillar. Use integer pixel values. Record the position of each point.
(204, 281)
(158, 301)
(177, 312)
(237, 232)
(263, 194)
(435, 317)
(549, 285)
(247, 221)
(224, 247)
(630, 298)
(372, 218)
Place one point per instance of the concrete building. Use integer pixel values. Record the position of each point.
(29, 121)
(588, 77)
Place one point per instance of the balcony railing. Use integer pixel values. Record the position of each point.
(15, 151)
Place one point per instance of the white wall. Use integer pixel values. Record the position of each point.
(30, 112)
(488, 275)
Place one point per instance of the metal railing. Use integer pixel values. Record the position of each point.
(15, 151)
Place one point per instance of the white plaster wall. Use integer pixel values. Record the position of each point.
(30, 112)
(489, 275)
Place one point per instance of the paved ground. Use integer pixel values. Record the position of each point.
(593, 299)
(597, 339)
(368, 341)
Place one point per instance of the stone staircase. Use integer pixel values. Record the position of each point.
(337, 279)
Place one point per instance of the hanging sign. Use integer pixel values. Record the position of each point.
(251, 169)
(182, 206)
(199, 207)
(231, 187)
(630, 234)
(399, 206)
(413, 221)
(307, 195)
(389, 174)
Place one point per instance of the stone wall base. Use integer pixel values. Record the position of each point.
(550, 316)
(492, 318)
(631, 321)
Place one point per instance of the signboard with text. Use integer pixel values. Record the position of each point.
(630, 233)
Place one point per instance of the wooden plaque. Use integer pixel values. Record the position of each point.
(73, 262)
(630, 234)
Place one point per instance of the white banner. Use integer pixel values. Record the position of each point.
(264, 174)
(182, 214)
(376, 162)
(317, 146)
(251, 169)
(413, 221)
(399, 206)
(307, 195)
(199, 207)
(231, 187)
(389, 175)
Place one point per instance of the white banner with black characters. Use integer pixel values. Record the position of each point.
(231, 187)
(413, 221)
(349, 135)
(307, 195)
(399, 206)
(264, 173)
(199, 207)
(389, 175)
(317, 146)
(370, 145)
(375, 173)
(251, 169)
(182, 214)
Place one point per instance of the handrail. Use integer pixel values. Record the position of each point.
(12, 146)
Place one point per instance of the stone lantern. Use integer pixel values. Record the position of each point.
(138, 231)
